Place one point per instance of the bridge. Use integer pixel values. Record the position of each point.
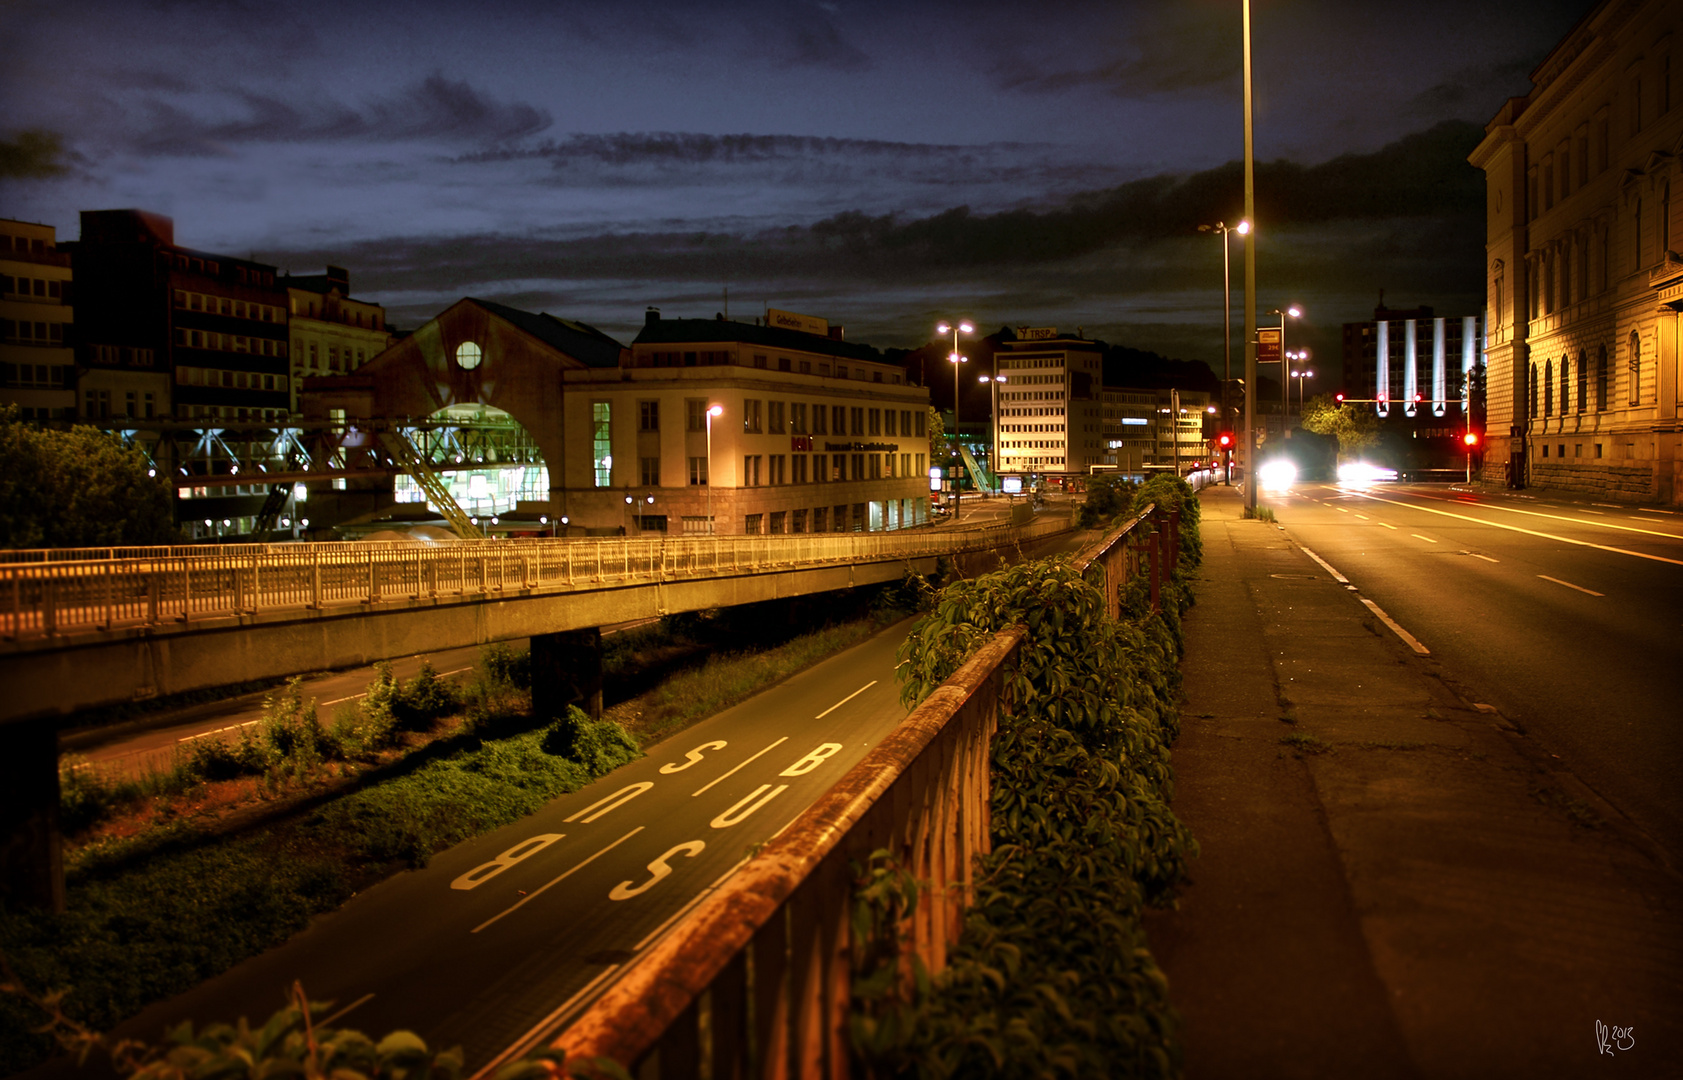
(86, 628)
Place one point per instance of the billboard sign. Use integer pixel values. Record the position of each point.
(806, 324)
(1036, 333)
(1268, 345)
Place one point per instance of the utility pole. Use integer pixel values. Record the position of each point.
(1250, 280)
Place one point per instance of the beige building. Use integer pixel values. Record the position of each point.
(37, 361)
(1150, 430)
(1050, 416)
(1584, 281)
(331, 332)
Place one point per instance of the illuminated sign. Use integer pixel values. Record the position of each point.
(1011, 485)
(1268, 346)
(1036, 333)
(1135, 421)
(806, 324)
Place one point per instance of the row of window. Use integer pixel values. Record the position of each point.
(796, 418)
(121, 356)
(24, 245)
(857, 517)
(194, 264)
(228, 305)
(350, 316)
(96, 405)
(777, 470)
(25, 332)
(42, 288)
(239, 343)
(1543, 379)
(1587, 152)
(233, 380)
(333, 352)
(37, 376)
(709, 358)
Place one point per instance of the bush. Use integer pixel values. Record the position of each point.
(1108, 495)
(600, 746)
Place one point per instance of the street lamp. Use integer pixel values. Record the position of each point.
(993, 452)
(712, 411)
(1222, 229)
(1285, 387)
(956, 359)
(1301, 354)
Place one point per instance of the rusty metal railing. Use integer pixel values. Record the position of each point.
(759, 974)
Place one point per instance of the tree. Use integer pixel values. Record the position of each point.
(76, 488)
(937, 435)
(1355, 429)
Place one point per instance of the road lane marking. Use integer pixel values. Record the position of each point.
(484, 872)
(1543, 535)
(1539, 513)
(539, 1031)
(564, 875)
(1364, 517)
(687, 908)
(1486, 558)
(218, 731)
(1411, 640)
(731, 817)
(1598, 513)
(1336, 576)
(329, 1021)
(1428, 539)
(1569, 585)
(1388, 525)
(744, 765)
(845, 700)
(611, 803)
(1341, 510)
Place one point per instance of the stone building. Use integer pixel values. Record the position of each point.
(1584, 280)
(331, 332)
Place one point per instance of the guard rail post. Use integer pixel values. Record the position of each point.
(1154, 555)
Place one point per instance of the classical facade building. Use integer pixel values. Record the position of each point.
(37, 362)
(1585, 283)
(170, 331)
(330, 332)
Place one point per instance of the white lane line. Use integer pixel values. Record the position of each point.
(1543, 535)
(1336, 576)
(687, 908)
(1569, 585)
(1597, 513)
(845, 700)
(218, 731)
(742, 766)
(1388, 525)
(1364, 517)
(1428, 539)
(1341, 510)
(1614, 506)
(564, 875)
(1648, 510)
(1407, 637)
(1555, 517)
(535, 1035)
(363, 1000)
(1486, 558)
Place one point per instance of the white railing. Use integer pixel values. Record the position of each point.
(116, 588)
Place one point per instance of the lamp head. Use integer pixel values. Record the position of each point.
(943, 328)
(716, 410)
(1294, 311)
(1243, 228)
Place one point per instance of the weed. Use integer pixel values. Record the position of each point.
(1260, 513)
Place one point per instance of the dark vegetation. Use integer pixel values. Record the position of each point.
(76, 488)
(1052, 975)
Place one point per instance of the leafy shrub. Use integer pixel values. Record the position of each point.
(85, 795)
(504, 666)
(599, 745)
(424, 698)
(1107, 497)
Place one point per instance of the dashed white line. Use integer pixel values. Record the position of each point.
(1388, 525)
(1486, 558)
(1569, 585)
(1364, 517)
(1336, 576)
(535, 1035)
(845, 700)
(1428, 539)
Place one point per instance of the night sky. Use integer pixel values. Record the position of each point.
(882, 165)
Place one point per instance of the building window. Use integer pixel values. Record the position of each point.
(648, 471)
(751, 522)
(774, 417)
(751, 420)
(1635, 368)
(695, 414)
(859, 421)
(821, 519)
(797, 468)
(698, 472)
(874, 417)
(859, 466)
(1583, 380)
(1601, 379)
(797, 418)
(778, 475)
(778, 517)
(468, 356)
(797, 521)
(820, 418)
(1565, 385)
(648, 416)
(601, 442)
(888, 423)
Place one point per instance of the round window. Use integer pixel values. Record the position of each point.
(468, 355)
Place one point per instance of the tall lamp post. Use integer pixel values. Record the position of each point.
(1294, 312)
(1221, 229)
(993, 453)
(1300, 355)
(957, 360)
(712, 411)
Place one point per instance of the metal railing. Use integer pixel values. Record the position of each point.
(760, 972)
(50, 593)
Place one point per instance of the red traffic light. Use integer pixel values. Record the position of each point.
(1471, 439)
(1225, 440)
(1339, 397)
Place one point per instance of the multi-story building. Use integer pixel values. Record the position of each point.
(1410, 363)
(1049, 417)
(1584, 284)
(37, 361)
(170, 331)
(1150, 430)
(331, 333)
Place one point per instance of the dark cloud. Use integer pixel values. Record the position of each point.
(809, 38)
(1472, 93)
(434, 108)
(1167, 49)
(687, 148)
(32, 155)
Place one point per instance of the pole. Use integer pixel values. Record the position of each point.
(709, 471)
(1174, 426)
(1226, 348)
(1250, 277)
(1285, 383)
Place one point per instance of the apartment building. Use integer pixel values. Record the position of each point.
(37, 325)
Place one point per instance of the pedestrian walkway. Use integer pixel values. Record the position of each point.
(1393, 881)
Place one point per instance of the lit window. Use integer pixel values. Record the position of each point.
(468, 356)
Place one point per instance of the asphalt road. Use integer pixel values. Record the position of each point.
(503, 939)
(1567, 616)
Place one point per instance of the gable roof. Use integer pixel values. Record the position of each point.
(579, 340)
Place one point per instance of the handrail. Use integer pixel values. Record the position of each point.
(784, 916)
(140, 587)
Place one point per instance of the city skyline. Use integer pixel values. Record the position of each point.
(875, 165)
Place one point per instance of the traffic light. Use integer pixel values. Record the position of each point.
(1339, 397)
(1225, 440)
(1470, 439)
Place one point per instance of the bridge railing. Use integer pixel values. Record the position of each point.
(760, 972)
(136, 587)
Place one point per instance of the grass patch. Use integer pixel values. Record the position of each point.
(1306, 744)
(1260, 513)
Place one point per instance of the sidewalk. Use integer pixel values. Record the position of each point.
(1393, 882)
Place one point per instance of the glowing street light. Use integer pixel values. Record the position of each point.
(1222, 229)
(956, 359)
(1294, 312)
(993, 452)
(712, 411)
(1300, 355)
